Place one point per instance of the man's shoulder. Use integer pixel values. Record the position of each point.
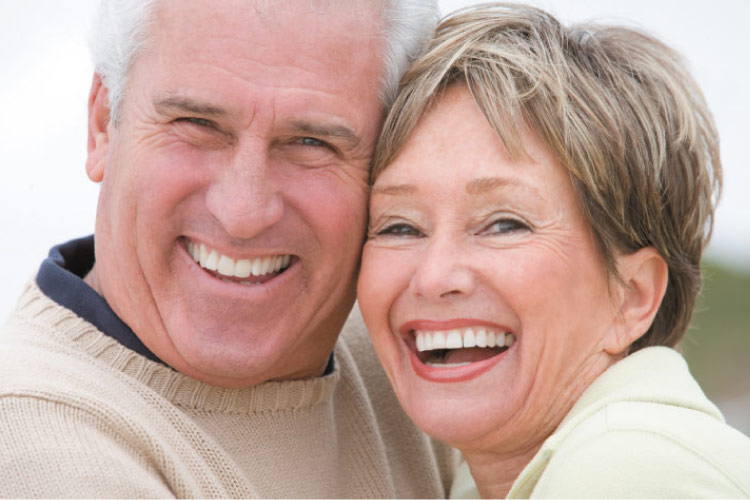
(356, 353)
(354, 336)
(429, 461)
(65, 365)
(78, 422)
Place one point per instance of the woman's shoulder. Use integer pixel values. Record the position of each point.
(643, 449)
(645, 430)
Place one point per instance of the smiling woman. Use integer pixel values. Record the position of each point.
(541, 198)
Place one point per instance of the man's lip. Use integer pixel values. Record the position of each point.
(231, 251)
(406, 330)
(236, 290)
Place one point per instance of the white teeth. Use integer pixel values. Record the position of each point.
(491, 341)
(448, 365)
(482, 338)
(469, 339)
(462, 338)
(212, 261)
(203, 254)
(240, 268)
(438, 340)
(454, 340)
(243, 268)
(226, 266)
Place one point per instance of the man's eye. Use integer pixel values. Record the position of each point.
(400, 229)
(311, 141)
(201, 122)
(504, 226)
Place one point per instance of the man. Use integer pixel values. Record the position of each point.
(193, 356)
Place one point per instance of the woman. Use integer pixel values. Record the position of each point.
(541, 198)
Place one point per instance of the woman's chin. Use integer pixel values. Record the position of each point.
(462, 404)
(462, 423)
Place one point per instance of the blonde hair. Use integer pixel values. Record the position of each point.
(618, 109)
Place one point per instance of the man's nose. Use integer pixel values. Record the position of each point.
(443, 272)
(245, 196)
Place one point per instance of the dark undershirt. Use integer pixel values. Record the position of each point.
(61, 276)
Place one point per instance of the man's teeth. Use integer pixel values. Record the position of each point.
(464, 337)
(212, 260)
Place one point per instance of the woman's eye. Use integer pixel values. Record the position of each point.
(504, 226)
(399, 229)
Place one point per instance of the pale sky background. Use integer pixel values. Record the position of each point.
(46, 198)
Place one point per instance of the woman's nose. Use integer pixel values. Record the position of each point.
(443, 272)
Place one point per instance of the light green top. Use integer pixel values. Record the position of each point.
(643, 429)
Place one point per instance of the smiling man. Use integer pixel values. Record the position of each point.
(190, 348)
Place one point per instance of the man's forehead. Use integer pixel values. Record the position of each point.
(366, 11)
(313, 30)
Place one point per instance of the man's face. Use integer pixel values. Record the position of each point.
(246, 133)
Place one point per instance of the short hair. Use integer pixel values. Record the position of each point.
(616, 107)
(121, 28)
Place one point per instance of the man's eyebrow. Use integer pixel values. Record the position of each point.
(187, 105)
(340, 132)
(394, 190)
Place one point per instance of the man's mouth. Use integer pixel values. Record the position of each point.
(252, 271)
(460, 346)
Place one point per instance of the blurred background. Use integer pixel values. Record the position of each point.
(46, 198)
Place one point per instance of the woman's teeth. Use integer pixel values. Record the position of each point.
(462, 338)
(212, 260)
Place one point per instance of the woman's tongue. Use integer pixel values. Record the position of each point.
(471, 355)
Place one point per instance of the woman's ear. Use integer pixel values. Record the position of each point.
(644, 276)
(98, 136)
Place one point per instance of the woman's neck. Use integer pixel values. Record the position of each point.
(495, 473)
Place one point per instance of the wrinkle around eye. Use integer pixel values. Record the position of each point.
(204, 136)
(506, 226)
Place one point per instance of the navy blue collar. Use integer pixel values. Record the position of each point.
(61, 279)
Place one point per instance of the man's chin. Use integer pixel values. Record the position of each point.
(233, 356)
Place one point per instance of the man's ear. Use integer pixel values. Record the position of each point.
(98, 136)
(644, 281)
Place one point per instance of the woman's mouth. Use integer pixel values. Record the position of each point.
(459, 346)
(455, 350)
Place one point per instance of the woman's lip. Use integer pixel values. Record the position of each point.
(435, 325)
(452, 374)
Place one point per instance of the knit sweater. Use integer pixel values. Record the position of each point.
(84, 416)
(643, 429)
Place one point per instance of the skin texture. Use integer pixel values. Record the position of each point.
(248, 127)
(460, 231)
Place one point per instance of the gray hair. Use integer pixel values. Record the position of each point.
(120, 31)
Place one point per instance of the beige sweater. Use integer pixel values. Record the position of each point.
(83, 416)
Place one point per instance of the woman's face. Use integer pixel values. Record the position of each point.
(466, 246)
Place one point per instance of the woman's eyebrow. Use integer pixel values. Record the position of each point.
(484, 185)
(394, 190)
